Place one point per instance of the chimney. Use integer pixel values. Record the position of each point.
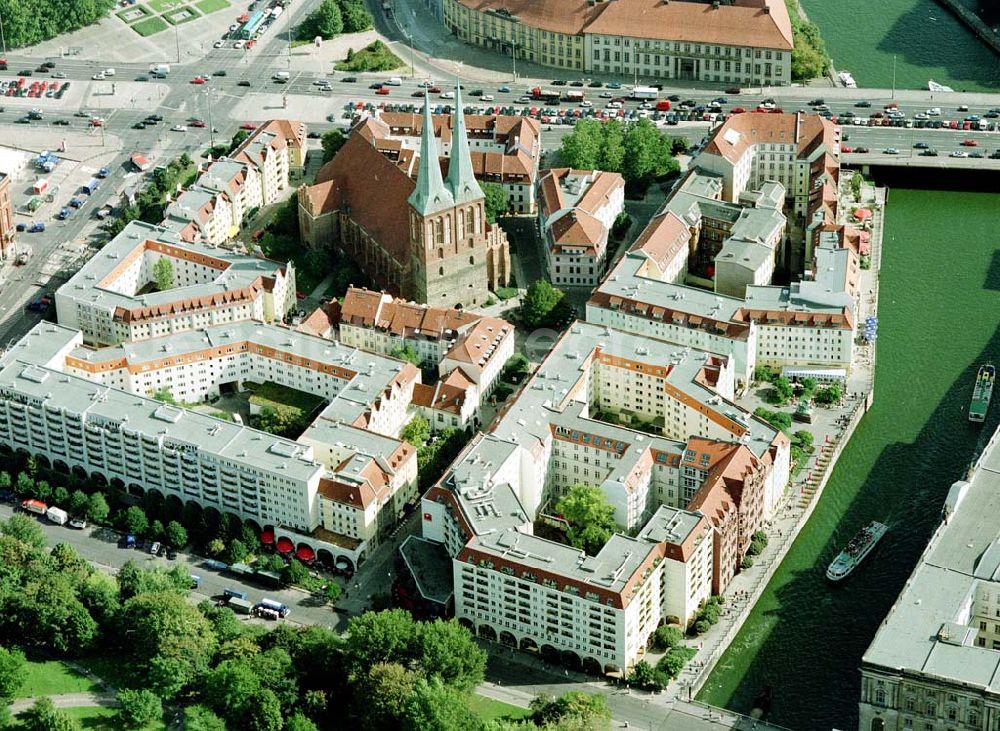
(798, 125)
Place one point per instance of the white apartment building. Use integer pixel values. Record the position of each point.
(240, 183)
(560, 431)
(576, 211)
(200, 215)
(934, 662)
(111, 299)
(275, 148)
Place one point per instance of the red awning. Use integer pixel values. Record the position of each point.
(267, 537)
(285, 545)
(862, 213)
(305, 554)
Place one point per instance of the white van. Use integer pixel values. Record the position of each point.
(281, 76)
(394, 81)
(109, 72)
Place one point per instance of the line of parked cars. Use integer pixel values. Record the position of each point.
(20, 87)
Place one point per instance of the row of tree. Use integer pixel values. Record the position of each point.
(26, 22)
(639, 151)
(809, 57)
(151, 202)
(388, 672)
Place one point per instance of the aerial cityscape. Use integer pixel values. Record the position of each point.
(499, 364)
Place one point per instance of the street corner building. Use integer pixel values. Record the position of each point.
(743, 42)
(419, 228)
(7, 226)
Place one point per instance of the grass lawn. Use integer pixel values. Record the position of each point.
(276, 395)
(103, 719)
(210, 6)
(163, 6)
(182, 15)
(149, 26)
(110, 668)
(489, 709)
(51, 677)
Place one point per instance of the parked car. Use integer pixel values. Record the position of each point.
(78, 523)
(155, 548)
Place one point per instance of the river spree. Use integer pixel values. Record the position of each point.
(939, 312)
(927, 40)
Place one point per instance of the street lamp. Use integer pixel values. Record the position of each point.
(3, 40)
(409, 40)
(211, 127)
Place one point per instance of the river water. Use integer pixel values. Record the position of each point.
(928, 41)
(938, 319)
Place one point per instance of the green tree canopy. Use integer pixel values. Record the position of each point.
(163, 273)
(325, 22)
(374, 637)
(24, 529)
(581, 149)
(540, 302)
(408, 354)
(138, 708)
(447, 650)
(495, 200)
(417, 431)
(591, 519)
(175, 534)
(12, 665)
(583, 711)
(381, 695)
(200, 718)
(332, 140)
(433, 706)
(97, 508)
(135, 521)
(44, 716)
(169, 638)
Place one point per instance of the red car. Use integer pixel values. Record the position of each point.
(382, 91)
(96, 122)
(434, 89)
(248, 125)
(846, 149)
(198, 80)
(198, 123)
(970, 143)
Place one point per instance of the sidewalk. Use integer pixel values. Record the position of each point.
(67, 700)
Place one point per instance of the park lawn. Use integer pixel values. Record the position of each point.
(97, 718)
(163, 6)
(490, 709)
(110, 668)
(210, 6)
(52, 677)
(278, 397)
(182, 15)
(149, 26)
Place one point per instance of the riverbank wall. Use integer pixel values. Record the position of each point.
(801, 499)
(974, 23)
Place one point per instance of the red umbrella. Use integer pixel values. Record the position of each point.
(862, 214)
(305, 554)
(267, 537)
(285, 545)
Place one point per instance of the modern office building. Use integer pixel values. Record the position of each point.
(652, 426)
(745, 42)
(577, 209)
(935, 660)
(424, 236)
(113, 298)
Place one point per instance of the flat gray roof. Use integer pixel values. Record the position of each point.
(241, 270)
(922, 634)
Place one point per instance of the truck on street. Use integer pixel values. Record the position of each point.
(644, 92)
(34, 506)
(240, 606)
(574, 95)
(57, 515)
(540, 94)
(159, 69)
